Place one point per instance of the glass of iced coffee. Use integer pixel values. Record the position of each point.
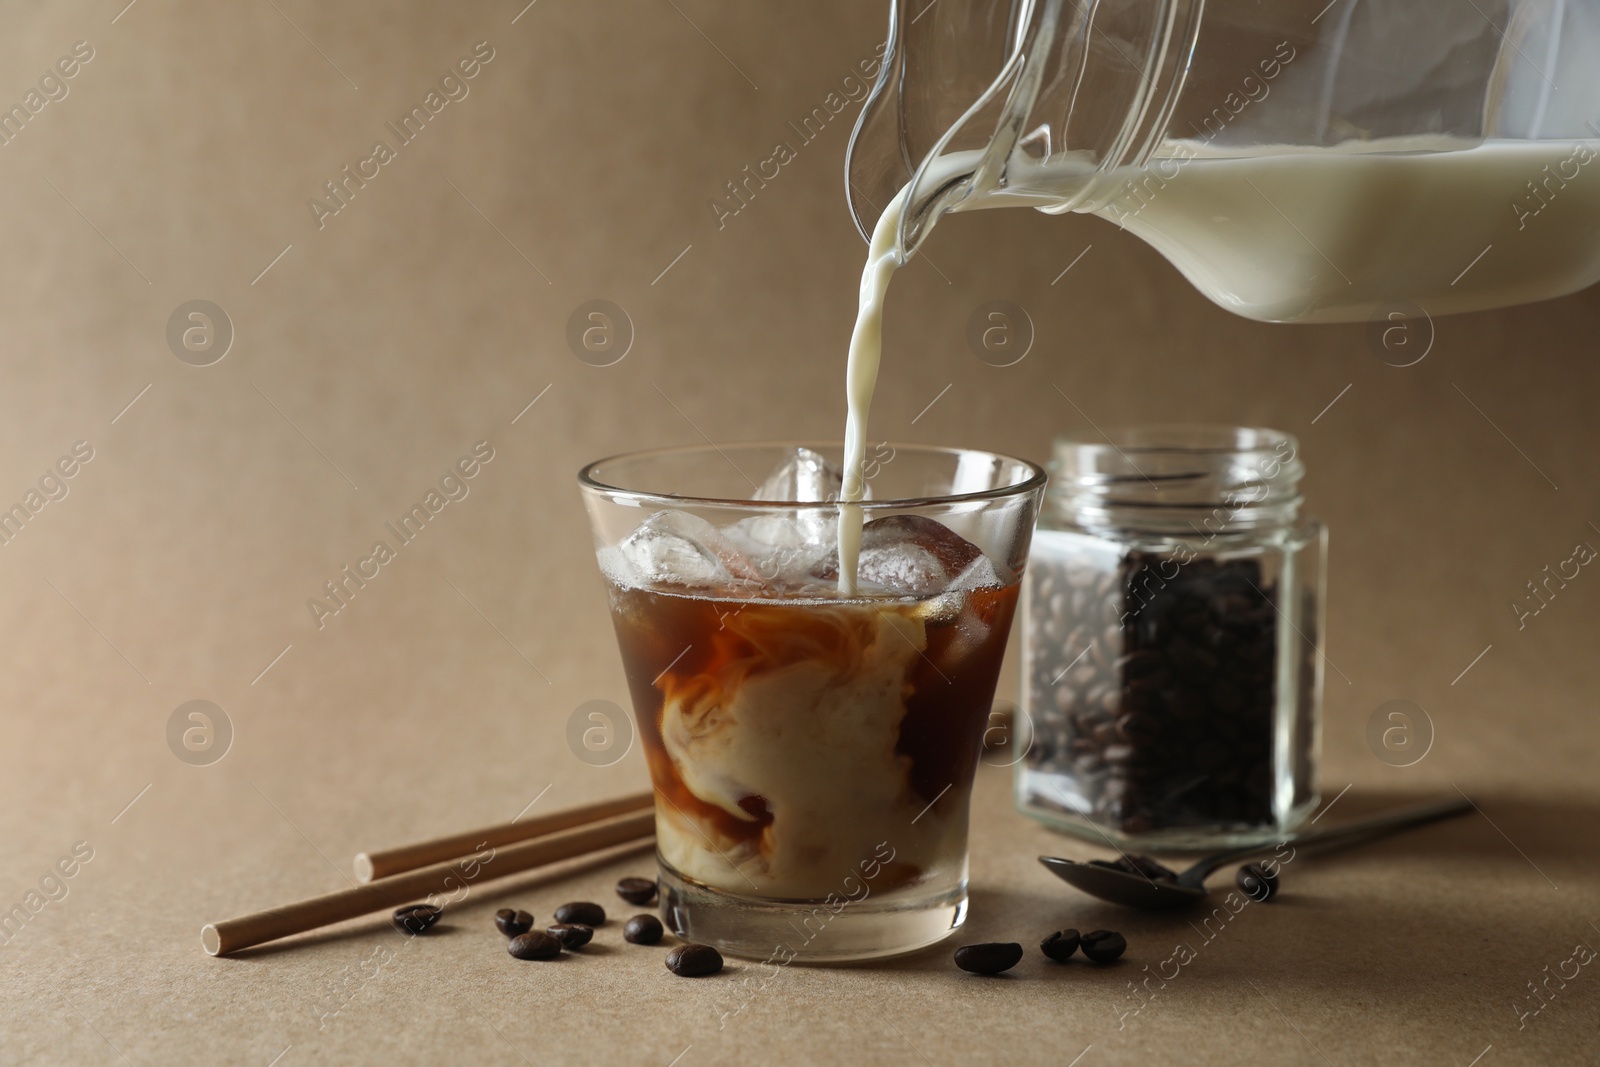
(811, 736)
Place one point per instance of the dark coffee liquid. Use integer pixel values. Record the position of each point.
(699, 652)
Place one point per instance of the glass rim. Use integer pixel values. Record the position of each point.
(589, 482)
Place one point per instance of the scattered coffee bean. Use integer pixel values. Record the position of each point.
(1103, 946)
(571, 935)
(1257, 882)
(1060, 945)
(642, 930)
(512, 922)
(693, 961)
(989, 959)
(415, 918)
(534, 945)
(581, 911)
(637, 890)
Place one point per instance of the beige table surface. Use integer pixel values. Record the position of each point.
(425, 316)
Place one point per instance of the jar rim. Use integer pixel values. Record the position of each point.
(1181, 437)
(1161, 475)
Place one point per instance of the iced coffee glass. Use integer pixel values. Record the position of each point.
(812, 752)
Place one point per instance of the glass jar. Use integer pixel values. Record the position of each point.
(1172, 666)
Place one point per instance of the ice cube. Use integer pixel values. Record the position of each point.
(803, 477)
(950, 549)
(981, 573)
(956, 607)
(909, 555)
(794, 541)
(784, 547)
(678, 548)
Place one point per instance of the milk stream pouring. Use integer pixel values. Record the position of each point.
(861, 377)
(884, 255)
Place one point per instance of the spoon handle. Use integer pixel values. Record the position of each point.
(1378, 826)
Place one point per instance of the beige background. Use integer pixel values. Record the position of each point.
(376, 350)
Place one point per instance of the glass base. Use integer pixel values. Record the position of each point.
(808, 931)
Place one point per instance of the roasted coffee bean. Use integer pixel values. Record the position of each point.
(512, 922)
(990, 958)
(1060, 945)
(1103, 946)
(1134, 863)
(1117, 752)
(637, 890)
(642, 930)
(1140, 664)
(1140, 726)
(694, 961)
(415, 918)
(571, 935)
(534, 945)
(1137, 823)
(581, 912)
(1257, 882)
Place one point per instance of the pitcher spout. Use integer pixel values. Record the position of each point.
(937, 115)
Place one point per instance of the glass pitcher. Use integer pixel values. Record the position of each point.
(1316, 161)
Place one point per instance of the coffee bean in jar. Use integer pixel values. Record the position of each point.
(1172, 671)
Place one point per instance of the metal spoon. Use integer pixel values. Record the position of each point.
(1138, 891)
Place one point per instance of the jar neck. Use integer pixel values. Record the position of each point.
(1183, 481)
